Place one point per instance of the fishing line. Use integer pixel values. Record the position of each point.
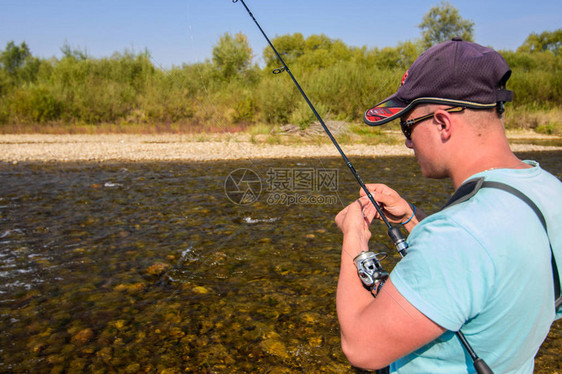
(218, 245)
(223, 241)
(393, 232)
(249, 157)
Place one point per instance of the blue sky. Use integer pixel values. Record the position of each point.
(184, 31)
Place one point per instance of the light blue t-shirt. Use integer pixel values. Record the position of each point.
(484, 266)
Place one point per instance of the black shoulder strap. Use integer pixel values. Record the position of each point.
(471, 187)
(465, 192)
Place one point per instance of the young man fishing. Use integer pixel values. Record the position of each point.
(483, 264)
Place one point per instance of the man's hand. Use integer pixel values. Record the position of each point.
(376, 331)
(354, 221)
(395, 208)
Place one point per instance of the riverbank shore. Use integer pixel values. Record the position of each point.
(211, 147)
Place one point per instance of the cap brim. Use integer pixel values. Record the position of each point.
(393, 108)
(386, 111)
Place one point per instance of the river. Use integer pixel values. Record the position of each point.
(173, 267)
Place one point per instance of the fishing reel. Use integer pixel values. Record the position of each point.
(370, 270)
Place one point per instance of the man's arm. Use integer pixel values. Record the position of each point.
(375, 331)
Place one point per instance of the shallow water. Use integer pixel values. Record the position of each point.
(167, 267)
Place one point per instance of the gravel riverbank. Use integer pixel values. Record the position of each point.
(170, 147)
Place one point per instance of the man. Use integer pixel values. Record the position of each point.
(482, 266)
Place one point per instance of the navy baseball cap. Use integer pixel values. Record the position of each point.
(455, 72)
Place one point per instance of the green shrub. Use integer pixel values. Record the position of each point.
(34, 105)
(244, 107)
(340, 81)
(304, 116)
(276, 99)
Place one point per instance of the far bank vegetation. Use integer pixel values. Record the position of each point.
(129, 92)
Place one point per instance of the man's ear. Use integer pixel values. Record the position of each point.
(444, 121)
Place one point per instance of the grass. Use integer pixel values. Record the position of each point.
(548, 121)
(543, 126)
(522, 123)
(261, 129)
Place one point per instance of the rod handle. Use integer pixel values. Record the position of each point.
(398, 239)
(481, 367)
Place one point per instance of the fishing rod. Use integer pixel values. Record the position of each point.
(368, 264)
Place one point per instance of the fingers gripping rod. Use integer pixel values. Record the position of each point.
(394, 232)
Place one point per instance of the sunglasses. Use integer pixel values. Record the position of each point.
(407, 126)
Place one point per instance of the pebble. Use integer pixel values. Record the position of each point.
(158, 268)
(188, 147)
(83, 336)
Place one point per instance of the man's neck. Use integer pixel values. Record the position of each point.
(483, 158)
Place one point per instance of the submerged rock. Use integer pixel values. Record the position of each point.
(83, 336)
(132, 289)
(158, 268)
(273, 345)
(200, 290)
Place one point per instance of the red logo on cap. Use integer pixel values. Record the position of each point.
(404, 78)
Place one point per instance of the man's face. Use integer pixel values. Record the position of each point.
(426, 142)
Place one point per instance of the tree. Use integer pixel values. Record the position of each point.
(290, 47)
(442, 23)
(17, 64)
(316, 51)
(545, 41)
(232, 55)
(75, 53)
(14, 57)
(401, 56)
